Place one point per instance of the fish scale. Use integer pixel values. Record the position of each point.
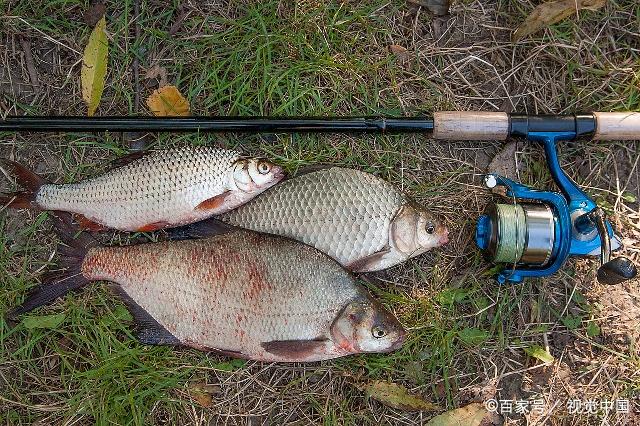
(231, 305)
(342, 212)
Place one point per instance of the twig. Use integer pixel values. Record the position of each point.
(31, 66)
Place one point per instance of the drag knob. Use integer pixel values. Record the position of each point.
(616, 271)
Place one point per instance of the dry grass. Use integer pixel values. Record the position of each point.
(316, 58)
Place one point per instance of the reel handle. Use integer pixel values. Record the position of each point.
(611, 271)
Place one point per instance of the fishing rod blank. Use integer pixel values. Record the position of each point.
(445, 125)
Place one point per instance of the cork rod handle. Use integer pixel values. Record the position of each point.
(470, 125)
(617, 126)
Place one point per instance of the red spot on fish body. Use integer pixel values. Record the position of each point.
(257, 280)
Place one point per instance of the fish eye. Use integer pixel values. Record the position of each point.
(263, 168)
(430, 228)
(378, 332)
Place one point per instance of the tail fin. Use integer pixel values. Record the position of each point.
(26, 178)
(72, 253)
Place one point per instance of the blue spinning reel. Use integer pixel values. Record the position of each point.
(533, 232)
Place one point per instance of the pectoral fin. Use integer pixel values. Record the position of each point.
(294, 349)
(373, 262)
(213, 203)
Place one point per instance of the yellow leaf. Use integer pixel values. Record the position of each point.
(94, 66)
(167, 101)
(203, 393)
(397, 396)
(469, 415)
(549, 13)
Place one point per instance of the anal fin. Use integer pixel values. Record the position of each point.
(88, 224)
(225, 352)
(154, 226)
(294, 349)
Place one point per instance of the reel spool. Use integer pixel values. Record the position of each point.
(517, 233)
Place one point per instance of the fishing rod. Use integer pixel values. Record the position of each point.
(446, 125)
(530, 232)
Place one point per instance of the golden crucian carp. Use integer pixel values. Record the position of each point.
(240, 293)
(361, 221)
(149, 191)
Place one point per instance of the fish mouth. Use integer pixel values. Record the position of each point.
(444, 236)
(402, 337)
(278, 174)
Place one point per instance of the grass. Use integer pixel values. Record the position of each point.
(313, 58)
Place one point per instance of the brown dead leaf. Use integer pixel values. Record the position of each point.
(158, 72)
(479, 392)
(401, 52)
(397, 396)
(93, 14)
(167, 101)
(397, 49)
(203, 393)
(549, 13)
(504, 163)
(437, 7)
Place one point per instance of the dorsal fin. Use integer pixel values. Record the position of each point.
(128, 159)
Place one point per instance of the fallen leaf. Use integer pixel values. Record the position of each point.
(437, 7)
(49, 322)
(232, 365)
(473, 336)
(504, 163)
(167, 101)
(203, 393)
(397, 396)
(397, 49)
(479, 392)
(158, 72)
(469, 415)
(93, 14)
(401, 52)
(540, 353)
(549, 13)
(94, 66)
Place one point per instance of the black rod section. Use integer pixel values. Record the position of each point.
(216, 124)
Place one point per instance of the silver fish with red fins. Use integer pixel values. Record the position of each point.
(358, 219)
(152, 190)
(240, 293)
